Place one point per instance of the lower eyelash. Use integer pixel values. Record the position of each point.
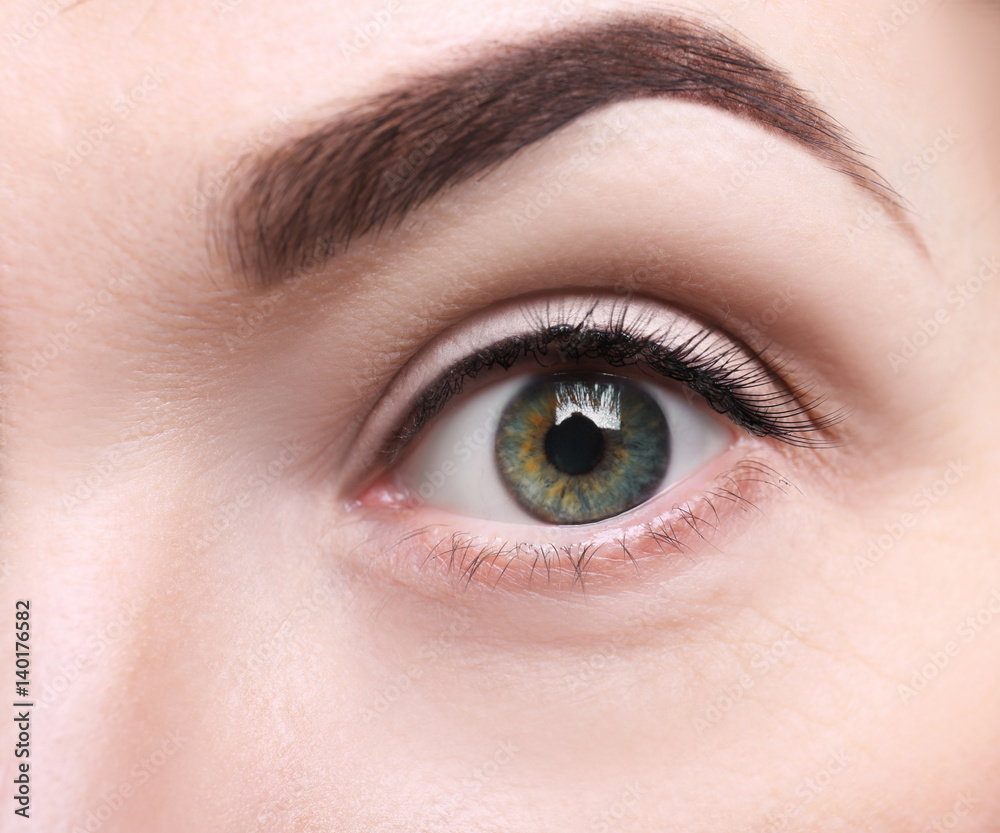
(581, 565)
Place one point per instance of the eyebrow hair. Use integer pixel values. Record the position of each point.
(370, 165)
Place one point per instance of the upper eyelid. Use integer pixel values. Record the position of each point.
(793, 418)
(795, 432)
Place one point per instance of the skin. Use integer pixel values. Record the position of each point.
(288, 675)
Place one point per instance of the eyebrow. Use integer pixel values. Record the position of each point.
(370, 165)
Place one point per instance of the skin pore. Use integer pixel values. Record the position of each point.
(246, 616)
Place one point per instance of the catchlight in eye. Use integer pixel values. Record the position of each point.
(574, 450)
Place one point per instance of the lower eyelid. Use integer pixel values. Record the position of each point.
(433, 550)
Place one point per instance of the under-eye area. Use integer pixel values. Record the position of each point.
(422, 548)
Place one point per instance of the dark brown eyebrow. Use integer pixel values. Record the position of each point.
(369, 166)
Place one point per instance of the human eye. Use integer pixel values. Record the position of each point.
(557, 436)
(560, 447)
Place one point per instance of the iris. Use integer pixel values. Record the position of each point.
(577, 449)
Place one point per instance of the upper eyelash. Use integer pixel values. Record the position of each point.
(729, 378)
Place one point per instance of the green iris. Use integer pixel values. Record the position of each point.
(576, 449)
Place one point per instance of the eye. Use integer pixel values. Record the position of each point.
(596, 420)
(562, 448)
(542, 435)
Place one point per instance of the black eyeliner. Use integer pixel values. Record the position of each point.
(732, 379)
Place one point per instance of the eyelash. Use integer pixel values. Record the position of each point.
(724, 377)
(732, 378)
(475, 557)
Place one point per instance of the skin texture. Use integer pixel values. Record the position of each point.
(224, 636)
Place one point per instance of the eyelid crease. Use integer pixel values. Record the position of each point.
(732, 378)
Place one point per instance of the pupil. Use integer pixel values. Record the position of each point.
(575, 445)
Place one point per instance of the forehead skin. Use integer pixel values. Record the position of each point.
(223, 691)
